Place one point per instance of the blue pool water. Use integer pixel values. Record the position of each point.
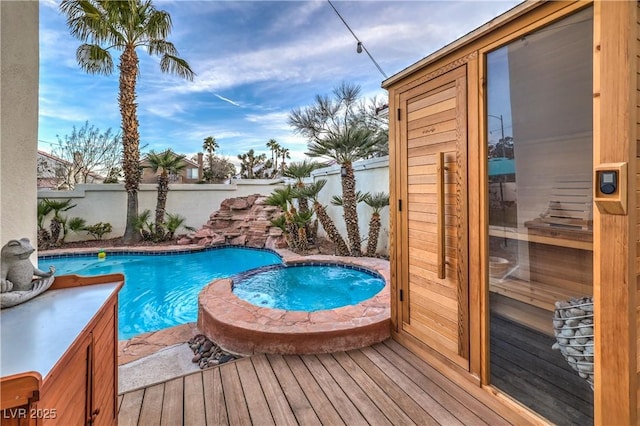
(161, 290)
(307, 287)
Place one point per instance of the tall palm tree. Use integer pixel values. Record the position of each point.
(166, 162)
(209, 146)
(312, 191)
(274, 146)
(124, 26)
(284, 152)
(377, 202)
(345, 148)
(337, 131)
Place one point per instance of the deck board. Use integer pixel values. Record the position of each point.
(194, 407)
(215, 408)
(256, 401)
(172, 403)
(237, 409)
(151, 410)
(278, 404)
(379, 385)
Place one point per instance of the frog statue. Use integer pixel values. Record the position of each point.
(19, 279)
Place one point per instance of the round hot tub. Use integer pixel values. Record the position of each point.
(263, 326)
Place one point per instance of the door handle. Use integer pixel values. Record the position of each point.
(442, 263)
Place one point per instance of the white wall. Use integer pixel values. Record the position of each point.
(107, 202)
(371, 176)
(19, 119)
(196, 202)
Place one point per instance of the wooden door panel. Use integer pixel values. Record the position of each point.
(435, 310)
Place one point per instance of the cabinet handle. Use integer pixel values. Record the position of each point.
(442, 272)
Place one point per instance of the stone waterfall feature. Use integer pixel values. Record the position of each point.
(244, 221)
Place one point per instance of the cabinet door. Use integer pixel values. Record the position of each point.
(104, 369)
(64, 399)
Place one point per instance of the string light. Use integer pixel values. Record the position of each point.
(360, 46)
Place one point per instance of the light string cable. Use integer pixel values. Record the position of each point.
(361, 45)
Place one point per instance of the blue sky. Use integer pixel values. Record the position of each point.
(255, 61)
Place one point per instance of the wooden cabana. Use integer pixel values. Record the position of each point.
(552, 88)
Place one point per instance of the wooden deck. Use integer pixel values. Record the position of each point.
(384, 384)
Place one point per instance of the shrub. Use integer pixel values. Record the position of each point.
(99, 230)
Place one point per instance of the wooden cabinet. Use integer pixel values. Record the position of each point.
(81, 386)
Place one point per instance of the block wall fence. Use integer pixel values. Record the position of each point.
(107, 202)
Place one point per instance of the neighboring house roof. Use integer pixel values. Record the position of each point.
(50, 158)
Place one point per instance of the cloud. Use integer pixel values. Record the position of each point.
(226, 99)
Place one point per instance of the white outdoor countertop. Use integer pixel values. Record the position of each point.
(35, 334)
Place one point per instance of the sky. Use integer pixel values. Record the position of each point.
(255, 61)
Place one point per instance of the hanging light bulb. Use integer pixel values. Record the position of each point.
(359, 47)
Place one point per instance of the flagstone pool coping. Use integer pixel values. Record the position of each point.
(279, 331)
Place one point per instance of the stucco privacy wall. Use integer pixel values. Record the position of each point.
(19, 118)
(107, 203)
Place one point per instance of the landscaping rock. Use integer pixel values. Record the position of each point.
(207, 353)
(240, 221)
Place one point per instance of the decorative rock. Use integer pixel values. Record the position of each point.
(240, 221)
(208, 353)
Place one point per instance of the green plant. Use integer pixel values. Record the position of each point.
(44, 237)
(125, 26)
(377, 202)
(73, 224)
(175, 222)
(279, 222)
(144, 226)
(99, 229)
(312, 191)
(57, 226)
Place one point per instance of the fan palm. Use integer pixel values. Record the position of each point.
(337, 131)
(377, 202)
(312, 191)
(124, 26)
(44, 237)
(299, 170)
(56, 225)
(165, 163)
(353, 144)
(274, 147)
(210, 145)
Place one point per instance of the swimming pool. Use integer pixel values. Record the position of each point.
(161, 289)
(307, 287)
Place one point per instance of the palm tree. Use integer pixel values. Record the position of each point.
(345, 148)
(377, 202)
(312, 191)
(274, 146)
(57, 224)
(44, 237)
(124, 26)
(210, 145)
(299, 170)
(337, 131)
(284, 152)
(165, 162)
